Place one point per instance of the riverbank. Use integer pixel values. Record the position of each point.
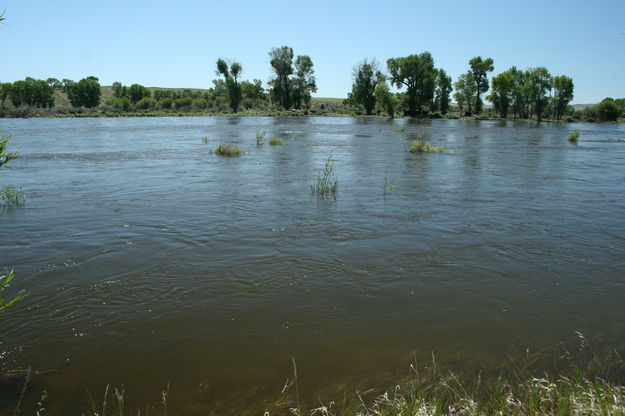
(61, 112)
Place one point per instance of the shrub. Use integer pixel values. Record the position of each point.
(183, 103)
(574, 136)
(146, 103)
(119, 104)
(229, 150)
(421, 146)
(276, 141)
(325, 182)
(199, 103)
(607, 110)
(165, 103)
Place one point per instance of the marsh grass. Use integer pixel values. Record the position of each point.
(325, 182)
(581, 388)
(11, 196)
(276, 141)
(229, 150)
(400, 129)
(421, 146)
(574, 136)
(260, 137)
(205, 139)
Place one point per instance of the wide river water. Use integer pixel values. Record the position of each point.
(149, 260)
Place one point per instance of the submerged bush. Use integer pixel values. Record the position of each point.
(205, 139)
(574, 136)
(325, 182)
(229, 150)
(276, 141)
(421, 146)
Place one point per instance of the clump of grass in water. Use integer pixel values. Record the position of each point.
(421, 146)
(276, 141)
(205, 139)
(387, 187)
(574, 136)
(11, 196)
(229, 150)
(260, 137)
(326, 181)
(400, 129)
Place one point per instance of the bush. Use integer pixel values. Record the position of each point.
(420, 146)
(183, 103)
(276, 141)
(199, 103)
(229, 150)
(145, 103)
(165, 103)
(607, 110)
(574, 136)
(118, 104)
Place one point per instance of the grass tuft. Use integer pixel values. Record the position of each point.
(11, 196)
(205, 139)
(276, 141)
(574, 136)
(421, 146)
(400, 129)
(260, 137)
(229, 150)
(326, 182)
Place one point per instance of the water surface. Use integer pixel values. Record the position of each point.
(150, 260)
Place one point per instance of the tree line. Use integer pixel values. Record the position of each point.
(421, 88)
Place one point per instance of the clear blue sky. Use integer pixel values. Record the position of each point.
(176, 43)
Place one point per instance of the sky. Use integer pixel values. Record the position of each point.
(177, 43)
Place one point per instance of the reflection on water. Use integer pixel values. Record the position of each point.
(148, 259)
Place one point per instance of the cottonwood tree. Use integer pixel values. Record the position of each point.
(479, 72)
(443, 89)
(465, 90)
(282, 64)
(563, 94)
(502, 91)
(84, 93)
(418, 75)
(231, 75)
(538, 83)
(366, 78)
(384, 97)
(303, 81)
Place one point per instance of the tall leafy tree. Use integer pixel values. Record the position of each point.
(443, 90)
(303, 81)
(537, 85)
(384, 97)
(465, 90)
(479, 71)
(137, 92)
(502, 92)
(231, 74)
(84, 93)
(281, 61)
(366, 78)
(563, 94)
(418, 75)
